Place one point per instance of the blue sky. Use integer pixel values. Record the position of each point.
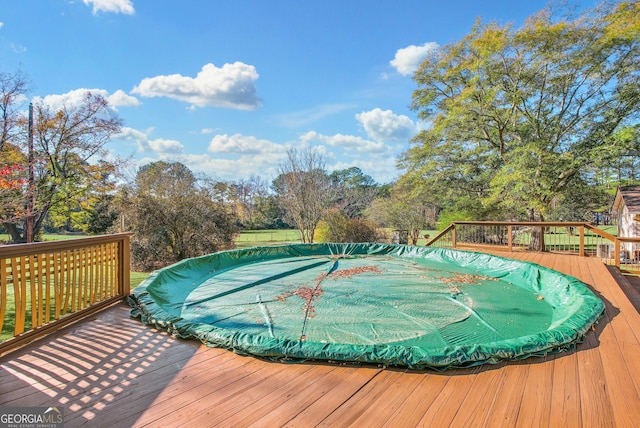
(226, 86)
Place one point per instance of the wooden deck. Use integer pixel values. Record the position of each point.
(112, 371)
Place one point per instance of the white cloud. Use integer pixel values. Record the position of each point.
(160, 145)
(74, 98)
(382, 170)
(121, 99)
(265, 165)
(235, 157)
(17, 48)
(205, 131)
(407, 60)
(384, 125)
(115, 6)
(145, 144)
(350, 143)
(1, 24)
(243, 144)
(311, 115)
(232, 86)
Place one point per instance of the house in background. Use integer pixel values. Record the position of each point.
(626, 213)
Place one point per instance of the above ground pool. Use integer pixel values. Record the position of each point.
(397, 305)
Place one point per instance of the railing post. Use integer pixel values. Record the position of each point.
(581, 251)
(510, 237)
(453, 236)
(124, 259)
(616, 253)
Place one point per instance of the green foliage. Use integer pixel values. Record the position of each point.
(353, 191)
(338, 227)
(101, 216)
(403, 211)
(173, 217)
(519, 116)
(268, 214)
(447, 217)
(61, 173)
(322, 232)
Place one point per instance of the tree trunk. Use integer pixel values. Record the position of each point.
(14, 233)
(537, 232)
(414, 235)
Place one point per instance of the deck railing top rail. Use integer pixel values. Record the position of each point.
(526, 223)
(16, 250)
(579, 238)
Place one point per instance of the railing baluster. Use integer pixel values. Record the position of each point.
(579, 238)
(53, 283)
(4, 280)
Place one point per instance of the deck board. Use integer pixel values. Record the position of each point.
(535, 407)
(382, 408)
(110, 370)
(481, 396)
(565, 392)
(506, 407)
(443, 409)
(418, 401)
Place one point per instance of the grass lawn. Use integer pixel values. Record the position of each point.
(136, 278)
(255, 238)
(49, 237)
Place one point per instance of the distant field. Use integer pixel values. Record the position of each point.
(62, 237)
(49, 237)
(254, 238)
(613, 230)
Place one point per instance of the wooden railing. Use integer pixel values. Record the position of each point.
(577, 238)
(44, 286)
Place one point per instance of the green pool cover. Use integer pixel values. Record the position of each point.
(398, 305)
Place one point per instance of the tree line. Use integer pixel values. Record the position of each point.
(532, 123)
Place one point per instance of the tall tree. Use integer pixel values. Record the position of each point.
(174, 216)
(13, 91)
(401, 211)
(304, 190)
(247, 194)
(91, 211)
(517, 115)
(67, 143)
(354, 190)
(618, 163)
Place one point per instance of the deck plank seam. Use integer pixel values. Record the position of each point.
(346, 400)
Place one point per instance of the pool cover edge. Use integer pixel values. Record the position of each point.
(565, 332)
